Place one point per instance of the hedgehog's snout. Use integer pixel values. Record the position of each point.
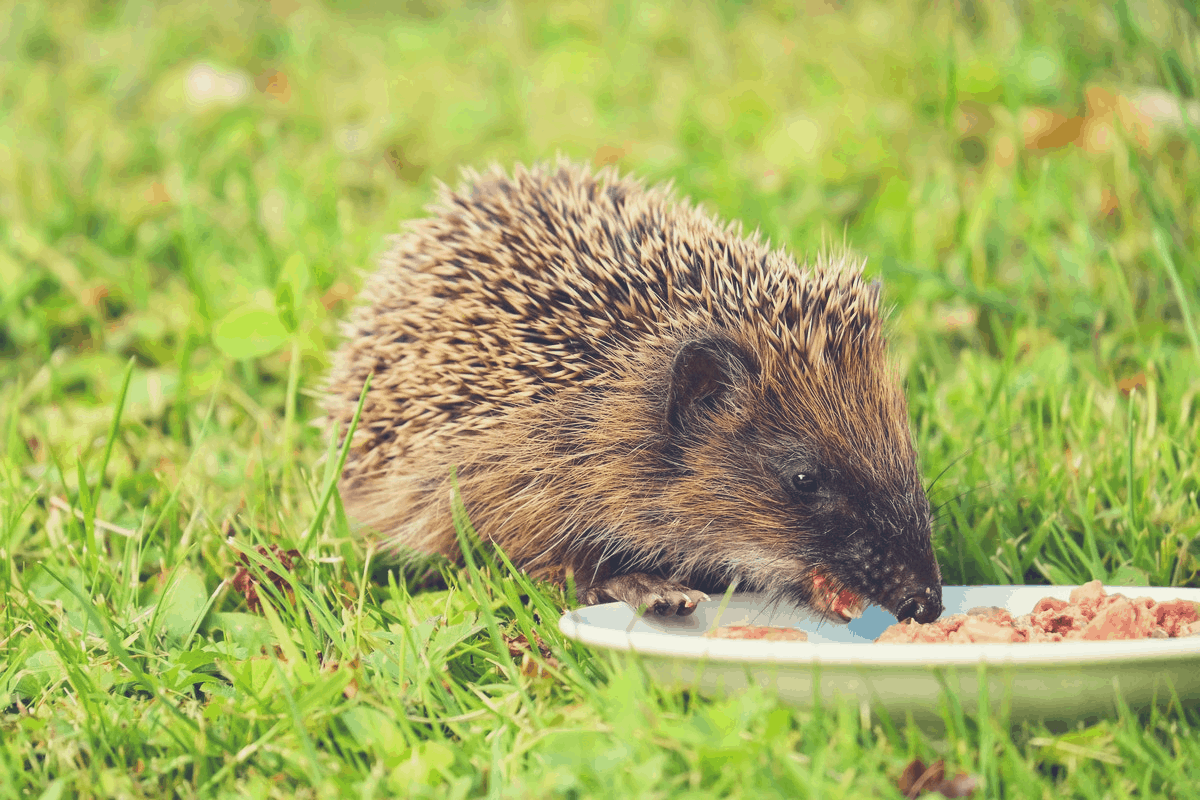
(923, 606)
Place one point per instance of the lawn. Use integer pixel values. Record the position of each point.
(191, 194)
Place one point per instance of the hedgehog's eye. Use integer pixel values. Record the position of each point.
(805, 483)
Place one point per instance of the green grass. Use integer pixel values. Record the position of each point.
(171, 276)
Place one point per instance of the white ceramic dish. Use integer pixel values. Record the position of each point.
(1059, 682)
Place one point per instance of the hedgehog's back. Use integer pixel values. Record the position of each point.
(521, 288)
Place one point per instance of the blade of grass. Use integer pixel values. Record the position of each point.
(467, 539)
(334, 474)
(115, 426)
(1163, 248)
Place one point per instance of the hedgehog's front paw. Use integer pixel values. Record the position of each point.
(644, 592)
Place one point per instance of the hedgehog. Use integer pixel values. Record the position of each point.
(624, 389)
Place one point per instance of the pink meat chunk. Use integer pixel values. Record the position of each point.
(1118, 617)
(1091, 614)
(1175, 616)
(978, 629)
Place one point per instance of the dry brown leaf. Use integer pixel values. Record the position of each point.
(283, 8)
(1127, 385)
(518, 646)
(1096, 130)
(1046, 130)
(157, 194)
(918, 779)
(245, 583)
(274, 83)
(1005, 152)
(92, 295)
(609, 154)
(1108, 202)
(338, 293)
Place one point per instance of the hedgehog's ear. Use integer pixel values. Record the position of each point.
(703, 373)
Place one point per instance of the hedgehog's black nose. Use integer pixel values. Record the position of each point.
(924, 606)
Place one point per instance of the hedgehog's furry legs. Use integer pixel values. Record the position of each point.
(655, 594)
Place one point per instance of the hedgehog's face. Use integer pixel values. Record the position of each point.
(812, 516)
(861, 536)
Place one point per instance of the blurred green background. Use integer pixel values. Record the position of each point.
(201, 186)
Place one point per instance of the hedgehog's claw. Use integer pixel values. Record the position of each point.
(680, 602)
(646, 593)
